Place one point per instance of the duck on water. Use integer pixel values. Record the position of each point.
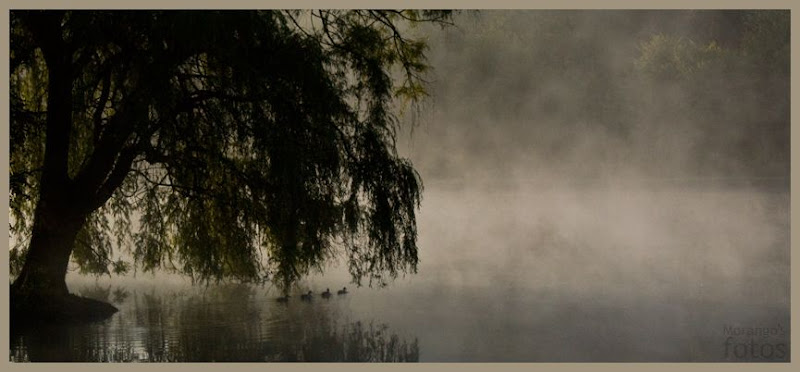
(307, 296)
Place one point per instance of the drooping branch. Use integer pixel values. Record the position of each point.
(102, 160)
(131, 116)
(245, 139)
(121, 169)
(101, 105)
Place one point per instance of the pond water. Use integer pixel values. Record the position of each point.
(555, 274)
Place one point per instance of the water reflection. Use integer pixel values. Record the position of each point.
(230, 323)
(556, 276)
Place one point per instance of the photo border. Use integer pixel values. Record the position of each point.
(344, 4)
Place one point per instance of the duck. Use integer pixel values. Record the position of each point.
(327, 293)
(283, 299)
(342, 291)
(306, 297)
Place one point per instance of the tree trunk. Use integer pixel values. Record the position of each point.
(56, 224)
(40, 294)
(56, 220)
(40, 291)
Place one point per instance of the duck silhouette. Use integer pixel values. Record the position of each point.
(327, 293)
(283, 299)
(306, 297)
(342, 291)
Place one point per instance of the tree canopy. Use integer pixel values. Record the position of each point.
(252, 145)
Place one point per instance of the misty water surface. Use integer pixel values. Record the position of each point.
(520, 274)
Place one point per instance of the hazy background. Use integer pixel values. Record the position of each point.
(546, 127)
(577, 95)
(599, 186)
(614, 185)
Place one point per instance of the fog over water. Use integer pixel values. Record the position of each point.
(575, 209)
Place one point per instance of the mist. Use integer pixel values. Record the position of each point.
(545, 116)
(568, 95)
(571, 189)
(598, 186)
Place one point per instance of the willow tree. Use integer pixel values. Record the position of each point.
(246, 145)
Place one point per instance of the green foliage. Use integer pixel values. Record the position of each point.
(243, 145)
(666, 57)
(735, 98)
(763, 46)
(27, 102)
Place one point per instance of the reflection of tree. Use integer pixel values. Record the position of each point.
(120, 295)
(96, 292)
(315, 335)
(357, 343)
(104, 293)
(225, 323)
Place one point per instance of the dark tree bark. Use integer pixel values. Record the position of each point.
(55, 227)
(40, 291)
(66, 202)
(56, 222)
